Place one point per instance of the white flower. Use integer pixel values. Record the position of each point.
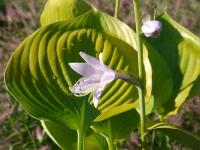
(152, 28)
(96, 75)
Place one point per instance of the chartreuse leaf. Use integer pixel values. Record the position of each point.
(38, 74)
(61, 10)
(160, 72)
(42, 59)
(66, 138)
(181, 51)
(97, 140)
(118, 127)
(180, 135)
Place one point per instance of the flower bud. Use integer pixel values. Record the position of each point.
(152, 28)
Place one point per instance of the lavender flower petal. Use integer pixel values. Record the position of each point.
(96, 76)
(85, 69)
(152, 28)
(105, 79)
(85, 85)
(106, 68)
(90, 60)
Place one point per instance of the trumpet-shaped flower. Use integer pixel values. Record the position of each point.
(152, 28)
(96, 75)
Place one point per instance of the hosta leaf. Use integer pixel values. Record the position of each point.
(114, 111)
(97, 140)
(38, 74)
(119, 126)
(180, 135)
(60, 10)
(159, 73)
(181, 51)
(154, 99)
(66, 138)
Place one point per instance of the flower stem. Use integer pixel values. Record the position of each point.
(117, 8)
(80, 141)
(110, 137)
(81, 130)
(140, 67)
(128, 77)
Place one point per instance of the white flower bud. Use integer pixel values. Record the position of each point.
(152, 28)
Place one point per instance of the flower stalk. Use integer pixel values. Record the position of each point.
(81, 130)
(81, 140)
(128, 77)
(111, 145)
(141, 68)
(116, 8)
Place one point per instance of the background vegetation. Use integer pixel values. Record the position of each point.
(18, 18)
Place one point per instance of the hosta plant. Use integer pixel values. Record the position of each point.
(84, 102)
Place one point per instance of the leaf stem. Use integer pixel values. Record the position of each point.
(153, 137)
(116, 8)
(81, 130)
(140, 67)
(110, 137)
(80, 141)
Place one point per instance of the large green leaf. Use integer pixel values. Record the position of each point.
(117, 127)
(64, 137)
(181, 51)
(60, 10)
(95, 141)
(38, 74)
(67, 138)
(180, 135)
(159, 73)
